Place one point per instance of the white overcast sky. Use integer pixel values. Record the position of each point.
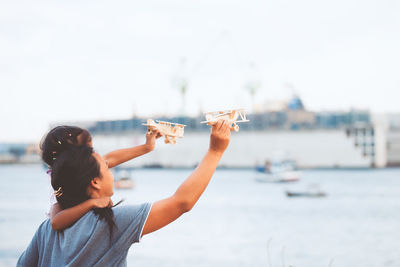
(95, 60)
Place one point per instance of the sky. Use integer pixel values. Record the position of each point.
(98, 60)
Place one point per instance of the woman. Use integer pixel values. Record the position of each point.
(103, 237)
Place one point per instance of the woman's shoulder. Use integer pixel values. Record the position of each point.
(130, 220)
(132, 209)
(127, 213)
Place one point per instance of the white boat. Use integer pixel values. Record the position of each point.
(279, 172)
(282, 177)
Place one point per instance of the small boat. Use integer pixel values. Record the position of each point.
(124, 181)
(313, 191)
(278, 172)
(305, 194)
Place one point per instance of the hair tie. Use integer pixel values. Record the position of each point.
(59, 192)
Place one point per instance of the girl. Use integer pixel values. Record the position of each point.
(62, 138)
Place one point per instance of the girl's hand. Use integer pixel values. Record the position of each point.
(102, 202)
(151, 137)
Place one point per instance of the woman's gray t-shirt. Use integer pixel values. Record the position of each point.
(87, 242)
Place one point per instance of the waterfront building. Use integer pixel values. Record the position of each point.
(277, 130)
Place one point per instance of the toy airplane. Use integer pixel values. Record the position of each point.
(170, 130)
(229, 116)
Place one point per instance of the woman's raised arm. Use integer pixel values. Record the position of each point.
(168, 210)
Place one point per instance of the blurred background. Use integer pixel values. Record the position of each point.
(310, 180)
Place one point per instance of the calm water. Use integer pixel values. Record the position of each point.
(238, 221)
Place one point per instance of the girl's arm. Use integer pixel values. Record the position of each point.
(61, 219)
(117, 157)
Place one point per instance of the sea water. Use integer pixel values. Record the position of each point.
(237, 221)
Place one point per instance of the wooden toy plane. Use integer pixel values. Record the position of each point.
(170, 130)
(230, 116)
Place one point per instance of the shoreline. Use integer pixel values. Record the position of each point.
(159, 167)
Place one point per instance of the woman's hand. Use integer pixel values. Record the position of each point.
(102, 202)
(220, 136)
(151, 137)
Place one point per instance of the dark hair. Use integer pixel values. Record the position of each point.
(72, 173)
(60, 138)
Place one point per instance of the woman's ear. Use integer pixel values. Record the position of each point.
(95, 183)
